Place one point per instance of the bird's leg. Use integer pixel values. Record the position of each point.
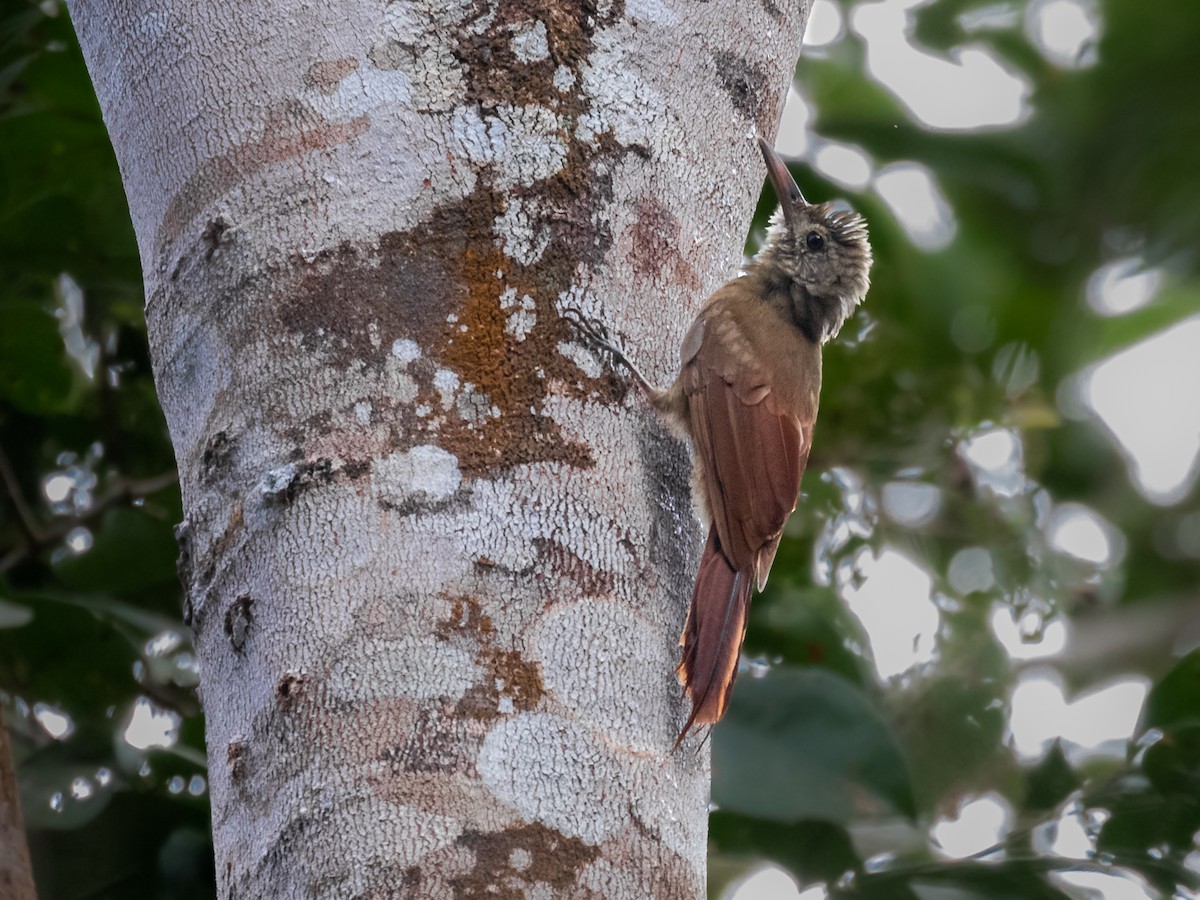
(595, 336)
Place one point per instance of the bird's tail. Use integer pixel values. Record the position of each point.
(712, 637)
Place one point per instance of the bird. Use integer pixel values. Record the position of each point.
(746, 395)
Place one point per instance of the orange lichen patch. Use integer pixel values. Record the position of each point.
(326, 76)
(509, 863)
(476, 346)
(503, 369)
(592, 582)
(289, 131)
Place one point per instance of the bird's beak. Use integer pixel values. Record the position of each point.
(786, 189)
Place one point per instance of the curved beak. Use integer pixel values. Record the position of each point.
(786, 189)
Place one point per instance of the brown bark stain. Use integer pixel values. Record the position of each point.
(511, 862)
(337, 299)
(562, 561)
(202, 565)
(325, 76)
(365, 730)
(507, 674)
(290, 130)
(466, 617)
(235, 756)
(435, 743)
(439, 284)
(290, 690)
(435, 792)
(655, 254)
(494, 73)
(748, 87)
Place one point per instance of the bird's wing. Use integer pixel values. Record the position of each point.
(752, 448)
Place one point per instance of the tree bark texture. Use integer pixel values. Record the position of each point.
(16, 870)
(437, 559)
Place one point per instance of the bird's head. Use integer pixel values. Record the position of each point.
(822, 249)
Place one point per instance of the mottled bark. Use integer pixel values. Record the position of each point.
(16, 872)
(437, 560)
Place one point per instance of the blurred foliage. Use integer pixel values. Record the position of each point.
(90, 616)
(821, 767)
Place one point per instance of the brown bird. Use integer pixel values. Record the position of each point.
(746, 395)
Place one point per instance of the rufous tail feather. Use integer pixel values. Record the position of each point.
(712, 636)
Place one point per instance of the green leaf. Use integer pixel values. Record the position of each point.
(131, 550)
(1175, 700)
(60, 794)
(14, 615)
(34, 374)
(1049, 783)
(1013, 879)
(807, 627)
(805, 744)
(813, 851)
(950, 726)
(1172, 763)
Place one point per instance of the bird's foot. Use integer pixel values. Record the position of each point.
(595, 336)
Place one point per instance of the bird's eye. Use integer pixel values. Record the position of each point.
(814, 241)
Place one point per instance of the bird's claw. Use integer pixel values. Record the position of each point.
(594, 334)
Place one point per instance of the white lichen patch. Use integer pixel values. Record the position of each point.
(611, 668)
(426, 471)
(529, 44)
(522, 142)
(275, 483)
(362, 412)
(475, 406)
(421, 47)
(505, 535)
(399, 385)
(406, 350)
(419, 667)
(519, 753)
(521, 314)
(654, 11)
(564, 78)
(582, 357)
(623, 104)
(365, 92)
(520, 232)
(446, 384)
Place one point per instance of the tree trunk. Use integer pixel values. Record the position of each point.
(16, 872)
(437, 560)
